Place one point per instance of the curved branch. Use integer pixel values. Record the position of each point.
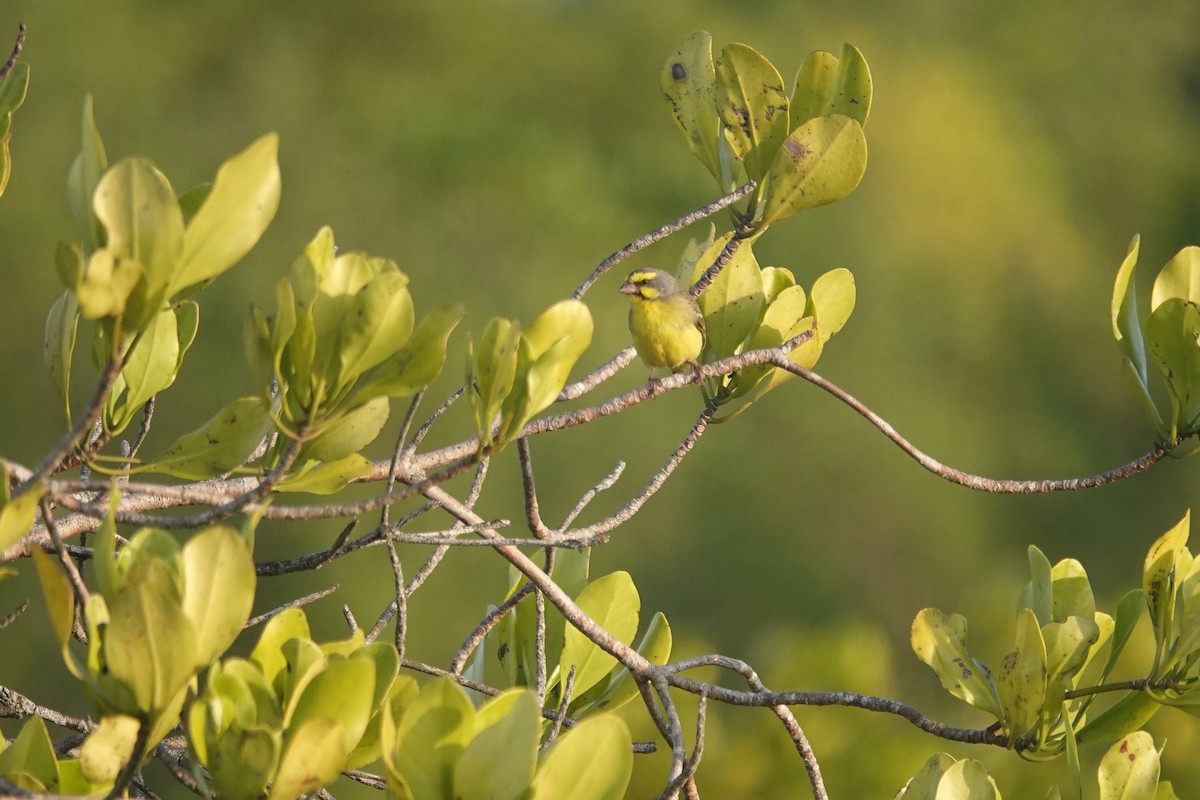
(971, 481)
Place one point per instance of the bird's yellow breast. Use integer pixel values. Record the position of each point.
(665, 332)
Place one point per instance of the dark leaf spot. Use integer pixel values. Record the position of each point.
(678, 72)
(797, 151)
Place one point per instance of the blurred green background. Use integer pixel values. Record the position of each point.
(500, 150)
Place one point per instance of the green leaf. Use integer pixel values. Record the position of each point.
(1129, 770)
(343, 691)
(1039, 592)
(149, 643)
(218, 580)
(1128, 714)
(150, 366)
(62, 326)
(549, 350)
(655, 647)
(1022, 678)
(87, 168)
(386, 662)
(291, 623)
(1180, 278)
(56, 589)
(107, 284)
(593, 761)
(1067, 645)
(940, 642)
(1129, 611)
(613, 602)
(923, 785)
(1072, 750)
(495, 369)
(418, 363)
(349, 433)
(499, 762)
(820, 162)
(327, 477)
(967, 780)
(733, 302)
(430, 737)
(18, 514)
(1127, 330)
(107, 748)
(243, 200)
(1171, 334)
(312, 759)
(139, 211)
(752, 104)
(851, 94)
(31, 754)
(1073, 595)
(12, 94)
(243, 762)
(378, 324)
(831, 301)
(224, 442)
(775, 281)
(781, 316)
(815, 81)
(688, 81)
(1158, 581)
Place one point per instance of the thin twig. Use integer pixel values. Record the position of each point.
(143, 429)
(401, 598)
(129, 770)
(485, 626)
(22, 707)
(642, 242)
(81, 591)
(16, 52)
(561, 714)
(597, 531)
(11, 617)
(720, 262)
(55, 458)
(298, 602)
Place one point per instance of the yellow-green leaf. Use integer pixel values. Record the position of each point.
(349, 433)
(752, 104)
(814, 87)
(18, 514)
(499, 762)
(1022, 678)
(222, 443)
(688, 81)
(107, 748)
(1129, 770)
(733, 302)
(831, 301)
(218, 580)
(940, 641)
(327, 477)
(820, 162)
(243, 200)
(311, 760)
(613, 602)
(592, 761)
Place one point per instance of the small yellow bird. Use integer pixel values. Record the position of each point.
(666, 323)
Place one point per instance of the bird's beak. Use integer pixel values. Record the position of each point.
(628, 288)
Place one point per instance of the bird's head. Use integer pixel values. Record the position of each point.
(650, 284)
